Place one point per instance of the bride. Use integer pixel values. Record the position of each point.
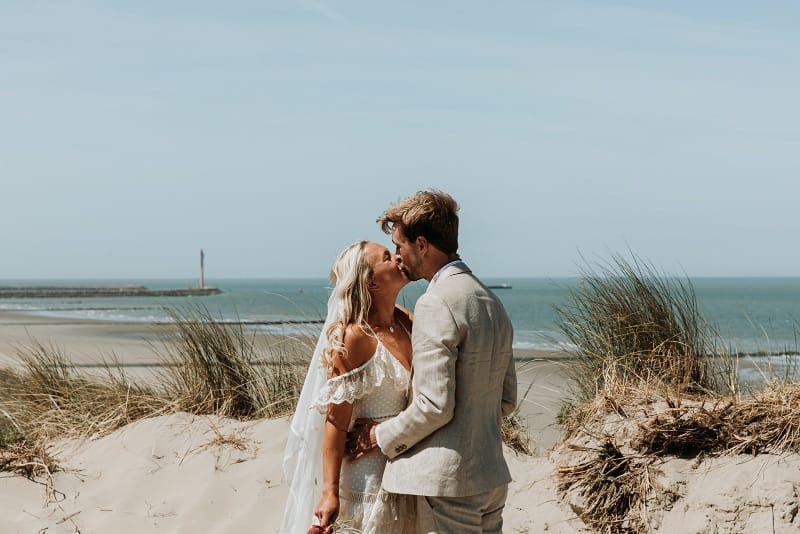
(360, 369)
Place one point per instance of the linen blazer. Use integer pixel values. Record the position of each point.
(447, 441)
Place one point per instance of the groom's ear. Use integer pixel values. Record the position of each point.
(422, 243)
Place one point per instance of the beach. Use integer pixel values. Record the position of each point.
(188, 473)
(136, 346)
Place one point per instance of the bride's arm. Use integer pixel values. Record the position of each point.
(333, 438)
(359, 347)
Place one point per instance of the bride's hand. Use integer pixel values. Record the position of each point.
(327, 510)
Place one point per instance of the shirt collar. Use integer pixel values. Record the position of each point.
(445, 266)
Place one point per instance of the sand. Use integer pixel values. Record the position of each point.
(185, 473)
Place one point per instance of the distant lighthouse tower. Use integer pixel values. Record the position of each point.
(202, 269)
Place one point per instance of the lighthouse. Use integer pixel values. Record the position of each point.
(202, 267)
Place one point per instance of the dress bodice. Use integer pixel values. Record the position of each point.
(377, 388)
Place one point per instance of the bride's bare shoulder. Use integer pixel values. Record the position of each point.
(359, 346)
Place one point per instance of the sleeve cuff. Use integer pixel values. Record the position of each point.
(378, 437)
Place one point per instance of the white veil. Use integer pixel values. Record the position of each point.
(302, 459)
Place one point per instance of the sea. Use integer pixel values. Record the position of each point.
(758, 317)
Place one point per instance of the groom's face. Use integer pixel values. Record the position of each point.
(410, 261)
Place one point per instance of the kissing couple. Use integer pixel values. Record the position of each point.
(397, 429)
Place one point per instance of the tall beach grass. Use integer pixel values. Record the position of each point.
(213, 367)
(653, 379)
(208, 366)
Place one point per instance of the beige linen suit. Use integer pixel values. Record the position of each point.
(447, 441)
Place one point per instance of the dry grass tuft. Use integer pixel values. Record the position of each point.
(767, 422)
(515, 434)
(683, 432)
(614, 488)
(29, 460)
(620, 438)
(235, 440)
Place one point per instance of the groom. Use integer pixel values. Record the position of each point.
(445, 447)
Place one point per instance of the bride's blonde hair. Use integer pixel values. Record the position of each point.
(350, 276)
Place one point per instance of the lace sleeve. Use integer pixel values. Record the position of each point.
(361, 381)
(350, 386)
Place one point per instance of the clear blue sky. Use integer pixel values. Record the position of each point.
(273, 133)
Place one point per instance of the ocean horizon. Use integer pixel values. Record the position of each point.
(755, 315)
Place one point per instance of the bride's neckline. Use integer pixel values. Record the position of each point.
(389, 354)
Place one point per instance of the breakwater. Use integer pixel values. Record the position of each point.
(102, 291)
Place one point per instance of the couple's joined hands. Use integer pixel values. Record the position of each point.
(361, 440)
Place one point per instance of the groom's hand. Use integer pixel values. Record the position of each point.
(361, 440)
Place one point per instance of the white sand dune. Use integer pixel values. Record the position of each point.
(178, 473)
(187, 474)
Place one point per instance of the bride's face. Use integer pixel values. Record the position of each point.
(385, 270)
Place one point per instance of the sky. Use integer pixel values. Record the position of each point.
(272, 134)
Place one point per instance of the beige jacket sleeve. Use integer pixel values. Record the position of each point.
(435, 339)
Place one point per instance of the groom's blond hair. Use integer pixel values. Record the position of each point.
(432, 214)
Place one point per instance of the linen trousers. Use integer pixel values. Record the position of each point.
(475, 514)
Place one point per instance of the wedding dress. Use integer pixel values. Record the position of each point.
(377, 390)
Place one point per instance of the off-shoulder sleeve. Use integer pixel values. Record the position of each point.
(356, 383)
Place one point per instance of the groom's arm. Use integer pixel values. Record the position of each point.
(435, 342)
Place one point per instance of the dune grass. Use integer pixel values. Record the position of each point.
(652, 380)
(631, 325)
(209, 367)
(47, 399)
(214, 368)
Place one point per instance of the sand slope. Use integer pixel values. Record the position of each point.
(187, 474)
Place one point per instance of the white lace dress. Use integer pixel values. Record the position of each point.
(377, 389)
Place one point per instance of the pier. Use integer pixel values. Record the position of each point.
(102, 291)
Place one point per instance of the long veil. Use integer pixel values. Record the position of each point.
(302, 459)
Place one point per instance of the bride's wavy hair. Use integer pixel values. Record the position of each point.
(350, 277)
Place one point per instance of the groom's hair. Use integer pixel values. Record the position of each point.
(432, 214)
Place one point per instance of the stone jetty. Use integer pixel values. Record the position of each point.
(101, 291)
